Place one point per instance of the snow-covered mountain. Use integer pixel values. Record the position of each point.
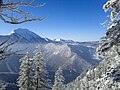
(65, 41)
(27, 36)
(105, 76)
(24, 36)
(73, 57)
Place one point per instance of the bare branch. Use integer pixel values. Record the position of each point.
(6, 51)
(11, 11)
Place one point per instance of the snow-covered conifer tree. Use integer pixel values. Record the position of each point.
(40, 72)
(106, 76)
(59, 79)
(109, 48)
(112, 38)
(114, 5)
(25, 74)
(2, 86)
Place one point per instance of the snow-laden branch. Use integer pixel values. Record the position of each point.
(114, 6)
(11, 11)
(6, 51)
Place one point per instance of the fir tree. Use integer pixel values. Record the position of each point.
(1, 1)
(2, 86)
(25, 74)
(40, 73)
(59, 79)
(114, 5)
(106, 76)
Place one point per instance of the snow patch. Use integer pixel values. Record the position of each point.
(11, 32)
(57, 40)
(46, 39)
(55, 53)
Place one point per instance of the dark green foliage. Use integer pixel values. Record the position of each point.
(1, 3)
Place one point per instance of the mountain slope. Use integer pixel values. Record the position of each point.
(106, 76)
(73, 57)
(24, 36)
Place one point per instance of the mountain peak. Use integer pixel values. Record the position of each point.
(19, 30)
(24, 33)
(27, 35)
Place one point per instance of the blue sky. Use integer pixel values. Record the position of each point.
(67, 19)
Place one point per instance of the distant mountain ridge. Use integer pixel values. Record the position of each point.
(74, 57)
(28, 36)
